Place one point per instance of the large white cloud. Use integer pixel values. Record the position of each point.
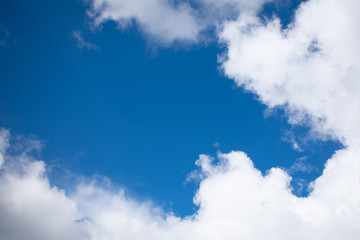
(30, 208)
(311, 69)
(235, 202)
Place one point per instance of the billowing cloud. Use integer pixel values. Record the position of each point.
(167, 21)
(311, 69)
(30, 208)
(235, 202)
(164, 20)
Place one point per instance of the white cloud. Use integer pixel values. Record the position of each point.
(290, 137)
(167, 21)
(311, 69)
(81, 43)
(241, 5)
(235, 202)
(225, 9)
(301, 165)
(4, 144)
(164, 20)
(30, 208)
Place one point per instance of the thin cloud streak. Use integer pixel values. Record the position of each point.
(81, 43)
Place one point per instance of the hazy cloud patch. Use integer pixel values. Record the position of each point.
(81, 43)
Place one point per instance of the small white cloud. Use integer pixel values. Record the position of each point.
(301, 165)
(291, 138)
(168, 21)
(81, 43)
(162, 19)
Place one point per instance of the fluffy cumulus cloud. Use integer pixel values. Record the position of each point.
(235, 202)
(167, 21)
(30, 208)
(311, 69)
(162, 19)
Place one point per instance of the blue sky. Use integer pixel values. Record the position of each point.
(134, 97)
(130, 110)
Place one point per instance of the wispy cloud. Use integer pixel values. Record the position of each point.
(81, 43)
(290, 137)
(158, 18)
(302, 165)
(5, 37)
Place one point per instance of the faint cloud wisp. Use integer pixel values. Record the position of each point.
(81, 43)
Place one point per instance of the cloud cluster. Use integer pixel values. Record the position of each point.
(311, 69)
(235, 202)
